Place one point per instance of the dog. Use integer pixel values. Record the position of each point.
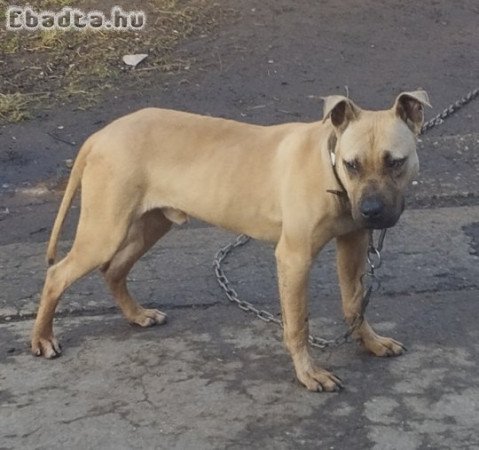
(155, 167)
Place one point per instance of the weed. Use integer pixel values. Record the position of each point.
(13, 107)
(78, 65)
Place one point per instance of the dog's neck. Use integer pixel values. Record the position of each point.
(342, 193)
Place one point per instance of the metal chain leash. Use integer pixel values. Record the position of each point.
(369, 279)
(450, 110)
(223, 281)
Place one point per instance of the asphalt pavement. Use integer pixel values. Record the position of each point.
(217, 377)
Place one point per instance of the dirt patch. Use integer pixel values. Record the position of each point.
(51, 66)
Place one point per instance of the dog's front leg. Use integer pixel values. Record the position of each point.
(351, 261)
(293, 262)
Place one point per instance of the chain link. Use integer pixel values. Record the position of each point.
(369, 279)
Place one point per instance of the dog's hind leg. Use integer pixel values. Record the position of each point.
(105, 216)
(94, 245)
(142, 235)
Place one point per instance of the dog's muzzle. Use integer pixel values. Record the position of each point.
(373, 212)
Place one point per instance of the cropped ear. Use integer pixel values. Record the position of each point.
(341, 110)
(409, 107)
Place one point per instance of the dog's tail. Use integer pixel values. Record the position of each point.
(72, 187)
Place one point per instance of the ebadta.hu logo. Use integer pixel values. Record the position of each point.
(25, 18)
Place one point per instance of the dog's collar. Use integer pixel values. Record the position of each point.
(332, 154)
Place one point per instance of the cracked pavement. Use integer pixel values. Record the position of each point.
(215, 377)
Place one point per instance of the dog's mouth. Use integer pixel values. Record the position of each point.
(381, 223)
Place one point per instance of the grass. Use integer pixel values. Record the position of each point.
(13, 107)
(59, 66)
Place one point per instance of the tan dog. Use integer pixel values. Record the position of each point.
(156, 167)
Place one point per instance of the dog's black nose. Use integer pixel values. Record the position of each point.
(371, 208)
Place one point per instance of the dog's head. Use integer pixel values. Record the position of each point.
(375, 154)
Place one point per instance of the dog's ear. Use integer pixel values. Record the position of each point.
(341, 110)
(409, 107)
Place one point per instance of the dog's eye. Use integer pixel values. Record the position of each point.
(352, 166)
(396, 163)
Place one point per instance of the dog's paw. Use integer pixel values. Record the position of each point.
(148, 318)
(48, 347)
(319, 380)
(383, 346)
